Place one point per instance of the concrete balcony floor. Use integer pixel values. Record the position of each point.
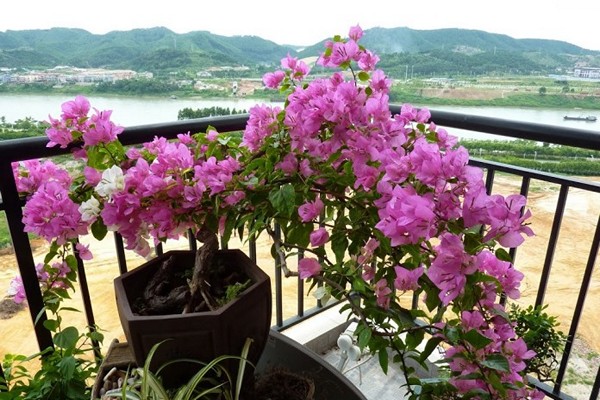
(320, 334)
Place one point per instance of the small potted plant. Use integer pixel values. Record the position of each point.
(212, 379)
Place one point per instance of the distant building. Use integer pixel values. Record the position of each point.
(586, 72)
(63, 74)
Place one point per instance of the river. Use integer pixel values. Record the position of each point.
(131, 111)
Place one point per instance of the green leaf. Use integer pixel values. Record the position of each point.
(496, 382)
(67, 366)
(503, 255)
(414, 338)
(431, 345)
(477, 339)
(67, 338)
(52, 252)
(497, 362)
(383, 360)
(299, 234)
(339, 244)
(432, 300)
(283, 199)
(51, 325)
(364, 76)
(71, 262)
(69, 309)
(99, 230)
(364, 336)
(95, 335)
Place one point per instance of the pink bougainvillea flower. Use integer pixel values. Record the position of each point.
(102, 129)
(507, 223)
(450, 267)
(77, 108)
(308, 267)
(273, 79)
(261, 124)
(382, 292)
(51, 214)
(319, 237)
(17, 290)
(407, 279)
(34, 173)
(84, 251)
(355, 33)
(310, 210)
(298, 69)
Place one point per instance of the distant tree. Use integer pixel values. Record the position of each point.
(188, 113)
(543, 91)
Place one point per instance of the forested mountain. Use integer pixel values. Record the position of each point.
(138, 49)
(449, 51)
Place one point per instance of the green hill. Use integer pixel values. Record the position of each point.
(441, 51)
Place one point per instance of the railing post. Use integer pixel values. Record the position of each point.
(87, 305)
(556, 223)
(24, 254)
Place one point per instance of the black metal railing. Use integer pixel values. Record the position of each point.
(32, 148)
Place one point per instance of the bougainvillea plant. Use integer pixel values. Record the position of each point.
(379, 206)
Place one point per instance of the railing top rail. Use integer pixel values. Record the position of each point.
(30, 148)
(545, 176)
(36, 147)
(573, 137)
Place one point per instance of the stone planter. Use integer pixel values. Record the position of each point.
(198, 335)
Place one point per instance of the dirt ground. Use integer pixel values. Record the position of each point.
(570, 260)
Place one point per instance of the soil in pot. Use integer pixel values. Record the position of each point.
(205, 286)
(281, 384)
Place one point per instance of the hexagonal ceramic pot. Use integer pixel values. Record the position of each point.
(200, 335)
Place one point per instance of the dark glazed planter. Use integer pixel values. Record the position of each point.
(280, 352)
(329, 383)
(201, 335)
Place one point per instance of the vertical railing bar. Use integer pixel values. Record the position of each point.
(596, 387)
(24, 255)
(278, 281)
(120, 249)
(159, 249)
(585, 284)
(489, 180)
(556, 223)
(192, 241)
(300, 299)
(321, 258)
(87, 305)
(415, 301)
(252, 249)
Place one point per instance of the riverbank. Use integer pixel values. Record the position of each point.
(482, 91)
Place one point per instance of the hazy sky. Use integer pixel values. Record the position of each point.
(309, 21)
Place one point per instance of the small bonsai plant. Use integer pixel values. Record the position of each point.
(540, 332)
(377, 205)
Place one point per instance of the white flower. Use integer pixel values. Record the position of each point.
(322, 293)
(89, 209)
(112, 181)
